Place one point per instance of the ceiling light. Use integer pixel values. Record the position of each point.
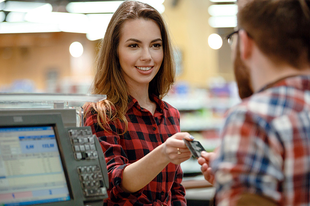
(7, 28)
(2, 4)
(2, 16)
(223, 10)
(107, 6)
(74, 27)
(215, 41)
(95, 32)
(15, 17)
(76, 49)
(93, 7)
(19, 6)
(55, 17)
(223, 21)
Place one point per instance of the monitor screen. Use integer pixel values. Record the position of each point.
(31, 170)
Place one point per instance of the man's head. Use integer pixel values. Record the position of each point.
(280, 30)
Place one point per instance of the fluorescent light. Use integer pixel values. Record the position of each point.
(15, 17)
(223, 21)
(96, 32)
(2, 4)
(2, 16)
(93, 7)
(107, 6)
(223, 10)
(19, 6)
(7, 28)
(223, 1)
(55, 17)
(74, 27)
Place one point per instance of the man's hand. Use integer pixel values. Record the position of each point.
(206, 170)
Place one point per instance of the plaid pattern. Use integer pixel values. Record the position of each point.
(265, 148)
(145, 132)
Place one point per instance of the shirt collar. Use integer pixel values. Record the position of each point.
(132, 101)
(301, 82)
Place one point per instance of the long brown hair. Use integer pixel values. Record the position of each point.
(109, 79)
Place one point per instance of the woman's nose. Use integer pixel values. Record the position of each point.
(146, 55)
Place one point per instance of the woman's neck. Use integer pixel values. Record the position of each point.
(142, 96)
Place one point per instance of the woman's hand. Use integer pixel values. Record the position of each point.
(175, 149)
(206, 170)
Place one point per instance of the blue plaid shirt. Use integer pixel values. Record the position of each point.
(265, 146)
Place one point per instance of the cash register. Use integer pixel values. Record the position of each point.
(45, 162)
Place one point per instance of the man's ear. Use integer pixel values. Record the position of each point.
(246, 45)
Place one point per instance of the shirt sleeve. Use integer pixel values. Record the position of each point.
(248, 160)
(115, 156)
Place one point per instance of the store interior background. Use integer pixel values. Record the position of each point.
(37, 59)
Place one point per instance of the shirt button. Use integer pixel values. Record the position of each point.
(154, 128)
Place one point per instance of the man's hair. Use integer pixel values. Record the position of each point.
(280, 28)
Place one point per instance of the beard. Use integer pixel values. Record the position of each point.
(242, 76)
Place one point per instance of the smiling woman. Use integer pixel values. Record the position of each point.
(138, 132)
(140, 53)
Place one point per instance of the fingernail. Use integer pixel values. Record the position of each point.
(190, 136)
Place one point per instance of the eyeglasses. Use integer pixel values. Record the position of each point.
(230, 37)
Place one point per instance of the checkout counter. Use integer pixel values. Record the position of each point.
(47, 156)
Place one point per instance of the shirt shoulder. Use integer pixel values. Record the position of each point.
(274, 102)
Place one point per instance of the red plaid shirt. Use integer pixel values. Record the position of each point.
(145, 132)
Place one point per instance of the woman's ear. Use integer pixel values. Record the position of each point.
(246, 45)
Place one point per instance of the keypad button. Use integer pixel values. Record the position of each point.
(76, 148)
(88, 132)
(91, 139)
(102, 190)
(95, 154)
(74, 141)
(84, 177)
(81, 170)
(82, 148)
(78, 156)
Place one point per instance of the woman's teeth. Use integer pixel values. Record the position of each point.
(144, 68)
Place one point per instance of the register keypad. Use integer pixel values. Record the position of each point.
(91, 180)
(83, 144)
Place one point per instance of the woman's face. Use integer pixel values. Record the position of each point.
(140, 51)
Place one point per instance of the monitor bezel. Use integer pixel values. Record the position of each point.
(53, 120)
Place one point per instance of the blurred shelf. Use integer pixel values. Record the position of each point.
(199, 123)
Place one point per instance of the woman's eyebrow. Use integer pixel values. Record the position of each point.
(136, 40)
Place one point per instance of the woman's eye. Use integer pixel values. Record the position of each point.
(157, 45)
(133, 45)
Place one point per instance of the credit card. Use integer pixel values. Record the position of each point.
(195, 147)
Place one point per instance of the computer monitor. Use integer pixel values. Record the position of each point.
(44, 163)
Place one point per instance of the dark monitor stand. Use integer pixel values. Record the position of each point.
(42, 163)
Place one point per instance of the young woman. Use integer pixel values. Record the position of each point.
(138, 132)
